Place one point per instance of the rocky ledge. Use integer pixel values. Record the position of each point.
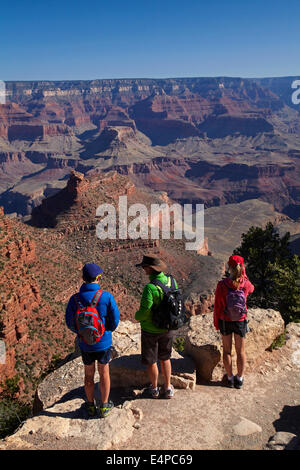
(59, 416)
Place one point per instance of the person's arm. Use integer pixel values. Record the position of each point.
(220, 304)
(69, 315)
(249, 288)
(113, 314)
(145, 305)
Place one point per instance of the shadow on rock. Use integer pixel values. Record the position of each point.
(289, 420)
(118, 395)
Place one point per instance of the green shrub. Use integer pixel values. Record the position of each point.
(10, 387)
(278, 342)
(12, 413)
(179, 344)
(273, 270)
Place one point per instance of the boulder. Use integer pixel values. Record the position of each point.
(128, 371)
(126, 339)
(68, 377)
(293, 341)
(283, 441)
(204, 344)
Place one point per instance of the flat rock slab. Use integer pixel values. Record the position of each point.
(246, 427)
(128, 371)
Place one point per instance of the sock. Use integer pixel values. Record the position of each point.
(240, 378)
(230, 378)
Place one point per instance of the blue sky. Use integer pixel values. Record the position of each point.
(72, 40)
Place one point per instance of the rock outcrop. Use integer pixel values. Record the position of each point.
(20, 293)
(65, 424)
(61, 423)
(126, 370)
(203, 343)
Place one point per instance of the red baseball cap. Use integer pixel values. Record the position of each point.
(235, 259)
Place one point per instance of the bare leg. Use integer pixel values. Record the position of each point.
(152, 371)
(89, 372)
(227, 345)
(240, 353)
(166, 372)
(103, 370)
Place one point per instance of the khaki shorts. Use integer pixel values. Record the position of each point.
(156, 346)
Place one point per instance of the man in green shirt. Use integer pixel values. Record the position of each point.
(156, 343)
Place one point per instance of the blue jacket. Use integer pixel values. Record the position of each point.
(108, 312)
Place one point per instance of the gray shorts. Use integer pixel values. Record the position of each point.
(237, 327)
(156, 346)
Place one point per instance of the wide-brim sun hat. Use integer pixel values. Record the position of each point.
(153, 262)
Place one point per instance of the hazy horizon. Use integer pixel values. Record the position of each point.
(153, 78)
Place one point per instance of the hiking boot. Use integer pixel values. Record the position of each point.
(153, 392)
(238, 383)
(169, 392)
(90, 409)
(106, 408)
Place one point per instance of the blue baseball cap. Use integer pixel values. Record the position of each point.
(91, 270)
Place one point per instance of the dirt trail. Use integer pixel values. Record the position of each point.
(206, 418)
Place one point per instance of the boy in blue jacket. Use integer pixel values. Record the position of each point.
(109, 313)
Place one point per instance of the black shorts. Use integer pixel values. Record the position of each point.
(156, 346)
(237, 327)
(103, 357)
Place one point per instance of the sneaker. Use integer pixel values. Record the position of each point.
(169, 392)
(238, 383)
(90, 409)
(230, 383)
(106, 408)
(153, 392)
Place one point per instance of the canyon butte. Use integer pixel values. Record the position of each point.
(232, 144)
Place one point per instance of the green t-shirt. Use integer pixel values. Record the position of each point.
(152, 295)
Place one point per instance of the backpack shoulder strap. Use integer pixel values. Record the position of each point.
(78, 301)
(172, 281)
(96, 298)
(156, 282)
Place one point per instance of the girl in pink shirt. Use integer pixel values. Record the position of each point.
(230, 316)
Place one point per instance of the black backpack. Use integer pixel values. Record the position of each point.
(170, 313)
